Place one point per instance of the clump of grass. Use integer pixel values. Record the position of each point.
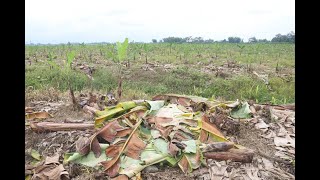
(104, 80)
(42, 77)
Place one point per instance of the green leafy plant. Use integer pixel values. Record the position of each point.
(66, 70)
(146, 50)
(121, 56)
(241, 47)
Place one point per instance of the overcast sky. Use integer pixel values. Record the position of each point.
(61, 21)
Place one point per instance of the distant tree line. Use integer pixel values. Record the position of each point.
(279, 38)
(289, 38)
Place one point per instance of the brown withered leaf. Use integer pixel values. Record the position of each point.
(123, 133)
(203, 137)
(114, 169)
(164, 131)
(161, 120)
(121, 177)
(184, 164)
(52, 160)
(38, 115)
(212, 128)
(29, 109)
(111, 164)
(109, 131)
(173, 149)
(95, 147)
(134, 147)
(57, 173)
(179, 135)
(114, 150)
(206, 125)
(82, 145)
(50, 169)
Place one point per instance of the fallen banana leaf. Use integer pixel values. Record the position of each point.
(108, 164)
(190, 161)
(87, 160)
(38, 115)
(161, 146)
(155, 134)
(175, 129)
(213, 130)
(109, 113)
(110, 130)
(191, 146)
(82, 145)
(134, 147)
(130, 167)
(155, 105)
(242, 112)
(139, 110)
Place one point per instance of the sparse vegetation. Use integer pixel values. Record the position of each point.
(217, 69)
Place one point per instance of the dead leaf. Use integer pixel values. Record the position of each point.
(52, 160)
(134, 147)
(114, 169)
(29, 109)
(56, 173)
(211, 128)
(121, 177)
(110, 163)
(164, 131)
(203, 137)
(206, 125)
(261, 124)
(82, 145)
(50, 169)
(282, 131)
(183, 164)
(109, 131)
(173, 149)
(270, 135)
(113, 150)
(95, 147)
(267, 163)
(287, 141)
(282, 155)
(38, 115)
(217, 172)
(123, 133)
(179, 135)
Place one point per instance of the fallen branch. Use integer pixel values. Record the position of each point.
(238, 155)
(73, 121)
(50, 126)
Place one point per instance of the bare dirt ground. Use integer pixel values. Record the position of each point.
(268, 163)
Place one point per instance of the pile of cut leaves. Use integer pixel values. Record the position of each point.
(178, 130)
(172, 128)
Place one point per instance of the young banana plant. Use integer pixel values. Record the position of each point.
(66, 70)
(121, 56)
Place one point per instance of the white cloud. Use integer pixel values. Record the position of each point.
(142, 20)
